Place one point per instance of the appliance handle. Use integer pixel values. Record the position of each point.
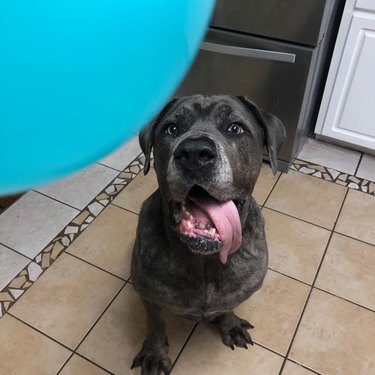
(249, 52)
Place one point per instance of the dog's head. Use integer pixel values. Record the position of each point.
(207, 156)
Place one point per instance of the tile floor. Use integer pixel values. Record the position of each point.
(67, 305)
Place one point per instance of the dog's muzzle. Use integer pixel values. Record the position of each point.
(206, 224)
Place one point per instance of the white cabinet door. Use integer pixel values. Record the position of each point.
(350, 115)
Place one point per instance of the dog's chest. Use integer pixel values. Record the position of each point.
(199, 290)
(167, 273)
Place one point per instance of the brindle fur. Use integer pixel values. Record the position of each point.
(165, 271)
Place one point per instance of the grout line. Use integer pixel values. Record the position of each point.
(16, 251)
(193, 329)
(266, 348)
(319, 226)
(196, 326)
(359, 163)
(39, 331)
(324, 166)
(100, 316)
(183, 346)
(107, 166)
(305, 367)
(295, 217)
(273, 187)
(344, 299)
(295, 331)
(322, 290)
(67, 360)
(95, 364)
(73, 351)
(121, 170)
(126, 167)
(92, 327)
(94, 265)
(346, 183)
(342, 205)
(56, 200)
(290, 277)
(312, 286)
(125, 209)
(353, 238)
(137, 162)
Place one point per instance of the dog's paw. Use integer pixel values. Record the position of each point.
(237, 336)
(234, 331)
(152, 362)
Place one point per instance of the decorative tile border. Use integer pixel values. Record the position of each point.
(23, 281)
(332, 175)
(26, 278)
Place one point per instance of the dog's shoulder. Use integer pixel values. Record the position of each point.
(151, 222)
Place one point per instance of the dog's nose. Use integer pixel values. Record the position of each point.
(193, 152)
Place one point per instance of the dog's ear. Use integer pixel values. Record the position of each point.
(273, 128)
(147, 134)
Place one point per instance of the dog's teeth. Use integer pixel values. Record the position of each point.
(189, 224)
(199, 225)
(212, 231)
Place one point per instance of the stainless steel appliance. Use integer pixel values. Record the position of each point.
(276, 52)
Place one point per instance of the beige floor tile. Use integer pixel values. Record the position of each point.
(265, 183)
(26, 351)
(307, 198)
(274, 311)
(67, 299)
(348, 270)
(357, 217)
(292, 368)
(132, 197)
(118, 336)
(335, 337)
(206, 354)
(79, 366)
(295, 247)
(108, 241)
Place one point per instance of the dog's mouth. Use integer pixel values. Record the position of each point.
(209, 226)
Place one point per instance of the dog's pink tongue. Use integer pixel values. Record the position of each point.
(227, 222)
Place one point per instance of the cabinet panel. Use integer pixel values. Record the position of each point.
(292, 20)
(365, 4)
(351, 112)
(277, 87)
(359, 97)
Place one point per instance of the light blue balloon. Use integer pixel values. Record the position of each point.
(78, 77)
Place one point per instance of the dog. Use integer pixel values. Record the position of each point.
(200, 248)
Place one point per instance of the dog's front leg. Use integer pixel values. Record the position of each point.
(153, 357)
(233, 330)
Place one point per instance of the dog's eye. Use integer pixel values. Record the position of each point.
(235, 129)
(171, 129)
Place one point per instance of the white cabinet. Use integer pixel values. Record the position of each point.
(347, 111)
